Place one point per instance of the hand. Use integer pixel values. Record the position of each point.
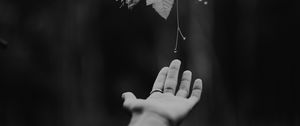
(168, 105)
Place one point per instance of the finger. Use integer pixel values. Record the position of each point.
(171, 81)
(129, 98)
(196, 91)
(131, 102)
(160, 79)
(185, 84)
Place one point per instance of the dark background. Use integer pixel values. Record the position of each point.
(68, 61)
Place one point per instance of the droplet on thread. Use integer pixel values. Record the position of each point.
(175, 51)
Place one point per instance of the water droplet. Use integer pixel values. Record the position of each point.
(175, 51)
(205, 3)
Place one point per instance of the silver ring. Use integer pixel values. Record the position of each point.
(156, 90)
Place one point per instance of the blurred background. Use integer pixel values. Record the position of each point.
(67, 62)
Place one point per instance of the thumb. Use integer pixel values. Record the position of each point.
(128, 96)
(130, 101)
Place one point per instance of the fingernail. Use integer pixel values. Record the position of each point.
(176, 61)
(188, 72)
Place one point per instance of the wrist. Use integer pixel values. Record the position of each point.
(149, 119)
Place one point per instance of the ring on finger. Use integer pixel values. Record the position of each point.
(156, 90)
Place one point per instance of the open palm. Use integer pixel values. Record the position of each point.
(169, 104)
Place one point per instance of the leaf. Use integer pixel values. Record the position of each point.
(162, 7)
(132, 3)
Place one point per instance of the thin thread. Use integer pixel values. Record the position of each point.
(176, 44)
(181, 33)
(178, 28)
